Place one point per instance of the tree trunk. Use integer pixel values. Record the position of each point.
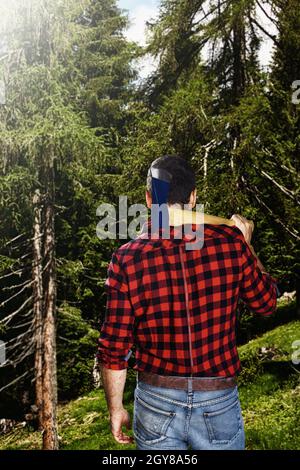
(37, 270)
(97, 379)
(239, 59)
(298, 296)
(50, 436)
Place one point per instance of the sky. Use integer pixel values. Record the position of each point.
(142, 10)
(139, 12)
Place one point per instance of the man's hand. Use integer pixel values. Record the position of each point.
(245, 226)
(118, 419)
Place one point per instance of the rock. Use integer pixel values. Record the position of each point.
(289, 296)
(6, 425)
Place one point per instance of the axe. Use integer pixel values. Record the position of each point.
(180, 216)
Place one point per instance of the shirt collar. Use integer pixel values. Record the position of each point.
(178, 232)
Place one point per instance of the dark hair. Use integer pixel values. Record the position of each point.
(183, 180)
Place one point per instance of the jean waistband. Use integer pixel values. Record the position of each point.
(187, 383)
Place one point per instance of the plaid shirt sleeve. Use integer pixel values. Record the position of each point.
(116, 336)
(257, 289)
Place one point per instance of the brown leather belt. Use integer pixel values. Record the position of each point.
(182, 383)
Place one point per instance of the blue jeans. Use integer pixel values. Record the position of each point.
(167, 418)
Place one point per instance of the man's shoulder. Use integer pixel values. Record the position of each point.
(133, 249)
(222, 231)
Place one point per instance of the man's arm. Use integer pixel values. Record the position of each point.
(115, 342)
(264, 271)
(114, 383)
(259, 263)
(258, 289)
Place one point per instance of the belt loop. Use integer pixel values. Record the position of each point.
(190, 384)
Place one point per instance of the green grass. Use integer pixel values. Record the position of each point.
(83, 425)
(271, 413)
(281, 337)
(269, 391)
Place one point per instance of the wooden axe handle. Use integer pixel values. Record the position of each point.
(179, 216)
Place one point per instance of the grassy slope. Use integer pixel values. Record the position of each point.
(269, 392)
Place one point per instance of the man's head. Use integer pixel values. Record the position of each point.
(182, 188)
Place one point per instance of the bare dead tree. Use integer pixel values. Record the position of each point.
(50, 437)
(37, 271)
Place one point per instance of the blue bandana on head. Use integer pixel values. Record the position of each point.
(160, 190)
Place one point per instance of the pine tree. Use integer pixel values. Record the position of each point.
(103, 58)
(284, 176)
(47, 132)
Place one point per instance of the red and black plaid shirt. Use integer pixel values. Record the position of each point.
(178, 307)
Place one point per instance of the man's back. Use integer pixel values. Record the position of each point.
(178, 306)
(176, 302)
